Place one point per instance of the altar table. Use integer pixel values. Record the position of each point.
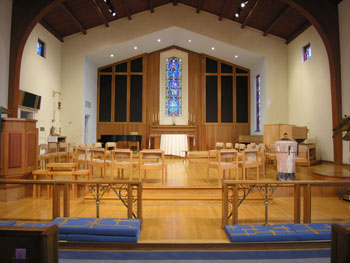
(174, 144)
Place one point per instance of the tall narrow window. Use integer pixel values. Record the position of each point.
(257, 102)
(41, 48)
(173, 87)
(307, 52)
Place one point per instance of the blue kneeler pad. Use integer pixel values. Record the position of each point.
(314, 231)
(260, 233)
(7, 223)
(95, 226)
(100, 238)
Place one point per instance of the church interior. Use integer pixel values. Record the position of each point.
(190, 125)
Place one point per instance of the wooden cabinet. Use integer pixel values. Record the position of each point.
(18, 155)
(274, 132)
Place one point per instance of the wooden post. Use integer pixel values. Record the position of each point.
(224, 204)
(139, 201)
(297, 204)
(130, 200)
(307, 204)
(66, 199)
(235, 205)
(55, 201)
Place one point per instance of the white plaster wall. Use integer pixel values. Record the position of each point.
(77, 46)
(258, 69)
(90, 95)
(344, 25)
(5, 36)
(309, 91)
(42, 76)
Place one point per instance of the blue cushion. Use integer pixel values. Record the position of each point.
(7, 223)
(95, 226)
(62, 236)
(101, 238)
(260, 233)
(31, 224)
(314, 231)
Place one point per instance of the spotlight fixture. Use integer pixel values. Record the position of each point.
(189, 41)
(111, 55)
(135, 47)
(238, 12)
(212, 48)
(110, 7)
(158, 40)
(236, 56)
(244, 3)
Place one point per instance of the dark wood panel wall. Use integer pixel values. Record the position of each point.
(207, 134)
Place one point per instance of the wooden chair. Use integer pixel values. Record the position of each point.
(97, 145)
(134, 144)
(122, 159)
(219, 145)
(249, 160)
(63, 151)
(109, 146)
(229, 145)
(303, 157)
(222, 163)
(270, 155)
(82, 157)
(159, 164)
(99, 159)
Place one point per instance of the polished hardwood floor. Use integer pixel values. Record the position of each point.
(187, 209)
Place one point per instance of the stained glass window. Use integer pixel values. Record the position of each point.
(257, 102)
(40, 48)
(173, 87)
(307, 52)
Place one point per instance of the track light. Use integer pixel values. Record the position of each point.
(238, 12)
(110, 7)
(244, 3)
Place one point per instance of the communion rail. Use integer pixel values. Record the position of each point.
(128, 192)
(231, 199)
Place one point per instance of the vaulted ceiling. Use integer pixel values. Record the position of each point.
(268, 16)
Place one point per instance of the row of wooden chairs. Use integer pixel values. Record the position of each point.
(120, 160)
(228, 159)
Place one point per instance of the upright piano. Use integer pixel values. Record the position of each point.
(121, 138)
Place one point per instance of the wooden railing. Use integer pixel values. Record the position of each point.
(231, 199)
(132, 198)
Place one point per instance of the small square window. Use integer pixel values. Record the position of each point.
(41, 48)
(307, 52)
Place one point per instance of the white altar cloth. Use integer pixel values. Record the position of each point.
(174, 144)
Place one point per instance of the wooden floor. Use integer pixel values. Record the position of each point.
(188, 208)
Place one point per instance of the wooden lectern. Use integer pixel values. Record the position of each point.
(18, 155)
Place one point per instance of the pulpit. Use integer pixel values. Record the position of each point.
(18, 155)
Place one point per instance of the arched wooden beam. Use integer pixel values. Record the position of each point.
(25, 15)
(323, 15)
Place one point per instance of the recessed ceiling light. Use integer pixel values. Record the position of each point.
(111, 55)
(212, 48)
(236, 56)
(189, 41)
(158, 40)
(135, 47)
